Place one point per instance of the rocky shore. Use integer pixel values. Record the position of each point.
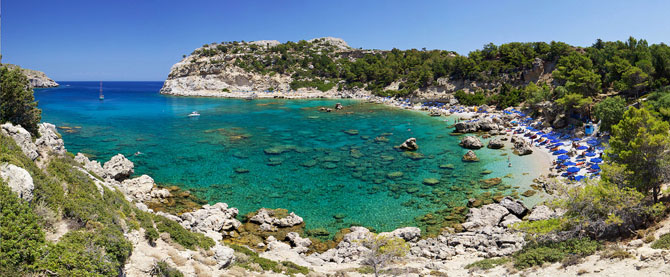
(36, 78)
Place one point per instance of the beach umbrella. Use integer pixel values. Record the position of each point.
(592, 142)
(574, 169)
(569, 163)
(579, 178)
(562, 151)
(576, 139)
(563, 157)
(590, 154)
(555, 140)
(582, 147)
(595, 166)
(545, 136)
(600, 147)
(560, 144)
(596, 160)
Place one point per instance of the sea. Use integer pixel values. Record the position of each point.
(334, 169)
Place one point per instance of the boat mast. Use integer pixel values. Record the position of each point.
(101, 96)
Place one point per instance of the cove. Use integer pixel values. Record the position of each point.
(333, 169)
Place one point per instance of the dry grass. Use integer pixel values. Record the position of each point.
(204, 260)
(200, 270)
(582, 271)
(176, 258)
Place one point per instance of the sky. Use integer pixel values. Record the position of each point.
(139, 40)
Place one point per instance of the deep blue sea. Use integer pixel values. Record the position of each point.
(279, 153)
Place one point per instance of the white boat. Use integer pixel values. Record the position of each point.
(193, 114)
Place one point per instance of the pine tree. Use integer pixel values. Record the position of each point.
(17, 103)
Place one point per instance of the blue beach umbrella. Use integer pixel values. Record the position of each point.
(595, 166)
(579, 178)
(545, 135)
(555, 140)
(596, 160)
(559, 144)
(562, 151)
(576, 139)
(592, 142)
(563, 157)
(569, 163)
(574, 169)
(600, 147)
(590, 154)
(582, 147)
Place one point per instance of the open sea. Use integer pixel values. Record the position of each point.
(333, 169)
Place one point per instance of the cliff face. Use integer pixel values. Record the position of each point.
(37, 78)
(321, 67)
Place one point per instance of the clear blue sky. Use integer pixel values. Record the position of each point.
(141, 39)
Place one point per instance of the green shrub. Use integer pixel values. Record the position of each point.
(20, 235)
(541, 227)
(468, 99)
(487, 263)
(550, 252)
(286, 267)
(663, 242)
(182, 236)
(163, 269)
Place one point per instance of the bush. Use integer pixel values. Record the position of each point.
(289, 268)
(538, 253)
(541, 227)
(17, 103)
(163, 269)
(467, 99)
(20, 235)
(663, 242)
(182, 236)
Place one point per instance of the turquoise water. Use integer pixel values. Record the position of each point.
(279, 153)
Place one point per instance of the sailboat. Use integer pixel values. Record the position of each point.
(102, 97)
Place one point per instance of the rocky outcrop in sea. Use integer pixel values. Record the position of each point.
(36, 78)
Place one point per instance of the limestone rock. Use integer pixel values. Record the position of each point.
(22, 139)
(119, 167)
(216, 218)
(509, 220)
(299, 244)
(487, 215)
(496, 143)
(139, 188)
(470, 157)
(36, 79)
(409, 144)
(267, 216)
(223, 255)
(338, 106)
(92, 166)
(521, 148)
(514, 206)
(541, 212)
(471, 142)
(49, 141)
(18, 179)
(406, 233)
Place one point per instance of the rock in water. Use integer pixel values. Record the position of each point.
(496, 143)
(471, 142)
(522, 148)
(18, 179)
(338, 106)
(119, 168)
(409, 145)
(470, 157)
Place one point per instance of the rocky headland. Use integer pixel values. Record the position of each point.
(36, 78)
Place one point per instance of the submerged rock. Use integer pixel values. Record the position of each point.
(431, 181)
(409, 145)
(470, 157)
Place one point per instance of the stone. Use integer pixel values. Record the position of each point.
(496, 143)
(223, 255)
(514, 206)
(471, 142)
(268, 216)
(509, 220)
(92, 166)
(22, 139)
(409, 145)
(541, 212)
(470, 157)
(406, 233)
(119, 168)
(49, 141)
(217, 217)
(521, 148)
(138, 188)
(431, 181)
(338, 106)
(299, 244)
(395, 175)
(487, 215)
(18, 180)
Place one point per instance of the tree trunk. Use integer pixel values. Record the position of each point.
(655, 192)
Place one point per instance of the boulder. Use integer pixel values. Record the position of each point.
(522, 148)
(216, 218)
(466, 127)
(514, 206)
(338, 106)
(138, 188)
(119, 168)
(92, 166)
(496, 143)
(509, 220)
(18, 180)
(541, 212)
(487, 215)
(223, 255)
(470, 157)
(471, 142)
(299, 244)
(409, 145)
(267, 216)
(22, 139)
(49, 141)
(406, 233)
